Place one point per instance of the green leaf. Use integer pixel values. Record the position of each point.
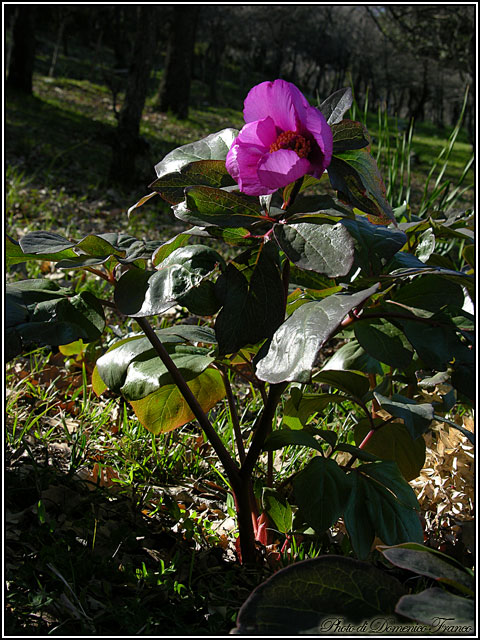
(278, 508)
(168, 247)
(441, 610)
(394, 442)
(309, 596)
(354, 384)
(312, 205)
(381, 503)
(336, 105)
(297, 342)
(283, 437)
(417, 417)
(209, 206)
(14, 253)
(298, 409)
(253, 298)
(137, 353)
(430, 292)
(212, 173)
(355, 176)
(374, 244)
(383, 344)
(361, 454)
(431, 565)
(144, 293)
(44, 242)
(352, 356)
(166, 409)
(39, 312)
(323, 248)
(322, 491)
(214, 147)
(349, 135)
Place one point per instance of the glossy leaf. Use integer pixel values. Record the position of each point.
(295, 345)
(142, 293)
(166, 409)
(416, 417)
(44, 242)
(383, 504)
(39, 312)
(336, 105)
(431, 565)
(209, 206)
(355, 176)
(434, 605)
(14, 254)
(214, 147)
(375, 245)
(394, 442)
(318, 204)
(212, 173)
(430, 292)
(349, 135)
(353, 356)
(383, 343)
(253, 298)
(354, 384)
(324, 248)
(307, 597)
(322, 491)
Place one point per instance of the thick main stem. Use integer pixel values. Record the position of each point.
(240, 483)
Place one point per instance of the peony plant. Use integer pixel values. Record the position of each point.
(319, 255)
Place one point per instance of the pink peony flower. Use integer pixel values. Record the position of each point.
(284, 138)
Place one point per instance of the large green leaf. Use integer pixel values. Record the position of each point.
(283, 437)
(430, 292)
(39, 312)
(445, 612)
(434, 565)
(308, 597)
(210, 206)
(214, 147)
(353, 384)
(336, 105)
(212, 173)
(393, 441)
(347, 135)
(317, 204)
(131, 366)
(144, 293)
(355, 176)
(297, 342)
(323, 248)
(417, 417)
(166, 408)
(375, 245)
(14, 254)
(322, 491)
(383, 343)
(353, 356)
(300, 407)
(253, 298)
(381, 503)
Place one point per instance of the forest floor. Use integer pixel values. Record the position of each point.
(110, 531)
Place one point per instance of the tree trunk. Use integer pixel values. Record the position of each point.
(174, 92)
(127, 143)
(62, 21)
(20, 74)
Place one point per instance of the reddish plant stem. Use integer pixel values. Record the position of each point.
(240, 482)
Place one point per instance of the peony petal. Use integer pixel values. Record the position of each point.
(278, 169)
(315, 124)
(279, 99)
(242, 164)
(261, 133)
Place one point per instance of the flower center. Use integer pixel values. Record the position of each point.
(294, 141)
